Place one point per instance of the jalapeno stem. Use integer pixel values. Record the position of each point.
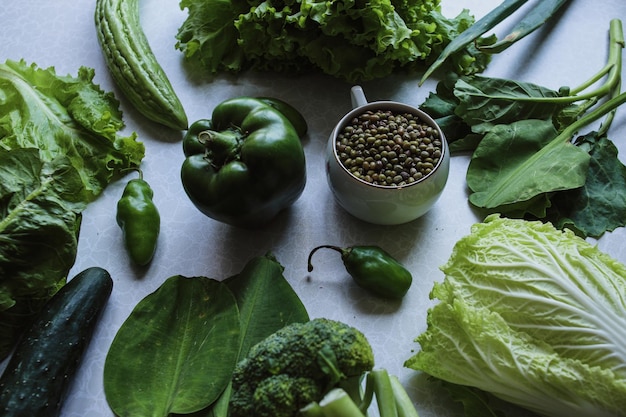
(337, 248)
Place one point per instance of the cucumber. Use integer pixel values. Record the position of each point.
(38, 375)
(132, 64)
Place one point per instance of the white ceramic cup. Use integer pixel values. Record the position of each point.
(379, 204)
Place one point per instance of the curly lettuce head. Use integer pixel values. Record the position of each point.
(352, 40)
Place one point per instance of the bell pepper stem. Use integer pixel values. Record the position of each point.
(222, 146)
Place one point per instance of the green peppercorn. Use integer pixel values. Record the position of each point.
(373, 269)
(139, 219)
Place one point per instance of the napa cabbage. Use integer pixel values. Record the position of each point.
(533, 315)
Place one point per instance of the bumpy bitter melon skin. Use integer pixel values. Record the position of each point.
(132, 64)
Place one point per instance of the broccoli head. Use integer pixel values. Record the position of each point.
(297, 365)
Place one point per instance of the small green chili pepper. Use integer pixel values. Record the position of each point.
(373, 269)
(139, 219)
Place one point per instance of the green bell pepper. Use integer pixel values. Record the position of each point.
(244, 165)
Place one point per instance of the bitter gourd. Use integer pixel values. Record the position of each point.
(133, 65)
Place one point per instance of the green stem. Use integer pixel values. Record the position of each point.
(223, 146)
(337, 403)
(613, 67)
(385, 398)
(403, 401)
(605, 108)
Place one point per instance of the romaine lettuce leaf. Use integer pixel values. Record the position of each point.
(533, 315)
(59, 149)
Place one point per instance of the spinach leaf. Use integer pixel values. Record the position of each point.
(524, 161)
(599, 205)
(514, 163)
(176, 351)
(484, 102)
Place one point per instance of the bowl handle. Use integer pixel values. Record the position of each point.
(358, 96)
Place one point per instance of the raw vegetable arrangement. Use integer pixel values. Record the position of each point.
(528, 315)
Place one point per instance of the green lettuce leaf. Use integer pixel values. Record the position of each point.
(65, 115)
(59, 149)
(352, 40)
(533, 315)
(39, 234)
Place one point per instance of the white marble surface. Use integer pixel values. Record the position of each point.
(61, 33)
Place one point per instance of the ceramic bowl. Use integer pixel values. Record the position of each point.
(384, 204)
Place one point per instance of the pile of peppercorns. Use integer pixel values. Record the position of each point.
(388, 148)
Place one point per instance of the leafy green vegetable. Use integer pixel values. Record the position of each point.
(176, 351)
(59, 149)
(537, 16)
(599, 205)
(266, 304)
(521, 136)
(64, 115)
(352, 40)
(38, 213)
(533, 315)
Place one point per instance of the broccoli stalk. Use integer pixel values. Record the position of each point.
(391, 398)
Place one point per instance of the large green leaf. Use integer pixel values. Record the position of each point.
(521, 162)
(266, 301)
(39, 224)
(176, 351)
(484, 102)
(266, 304)
(600, 205)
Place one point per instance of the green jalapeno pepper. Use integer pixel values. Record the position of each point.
(139, 219)
(245, 164)
(373, 269)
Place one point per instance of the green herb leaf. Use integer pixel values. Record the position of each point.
(176, 351)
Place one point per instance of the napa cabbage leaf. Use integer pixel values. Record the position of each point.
(533, 315)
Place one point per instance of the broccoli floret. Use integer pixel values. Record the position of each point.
(297, 365)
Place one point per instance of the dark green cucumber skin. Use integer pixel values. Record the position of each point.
(38, 375)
